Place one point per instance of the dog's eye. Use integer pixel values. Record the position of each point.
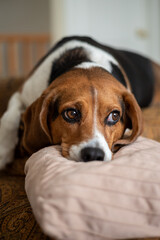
(71, 115)
(112, 118)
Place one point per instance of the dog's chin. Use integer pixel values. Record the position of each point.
(68, 157)
(66, 154)
(71, 157)
(74, 160)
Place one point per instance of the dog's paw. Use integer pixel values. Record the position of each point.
(8, 141)
(6, 156)
(9, 124)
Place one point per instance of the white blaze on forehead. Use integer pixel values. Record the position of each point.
(97, 141)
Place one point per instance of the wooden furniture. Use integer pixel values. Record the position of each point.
(20, 53)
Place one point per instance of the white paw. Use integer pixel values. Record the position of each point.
(6, 156)
(9, 129)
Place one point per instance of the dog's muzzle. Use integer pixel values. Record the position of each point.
(92, 154)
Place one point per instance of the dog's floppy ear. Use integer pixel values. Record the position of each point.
(133, 121)
(36, 133)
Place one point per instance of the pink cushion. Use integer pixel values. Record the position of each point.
(97, 200)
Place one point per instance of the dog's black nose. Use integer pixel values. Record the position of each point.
(92, 154)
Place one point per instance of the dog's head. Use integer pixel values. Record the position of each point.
(86, 111)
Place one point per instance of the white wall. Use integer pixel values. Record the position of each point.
(126, 24)
(24, 16)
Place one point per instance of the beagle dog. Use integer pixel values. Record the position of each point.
(83, 96)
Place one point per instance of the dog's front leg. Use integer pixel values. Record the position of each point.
(9, 129)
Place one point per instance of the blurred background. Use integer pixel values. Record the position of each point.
(29, 27)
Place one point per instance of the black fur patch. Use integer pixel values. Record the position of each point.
(116, 72)
(66, 61)
(140, 74)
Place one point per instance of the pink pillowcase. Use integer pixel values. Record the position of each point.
(97, 200)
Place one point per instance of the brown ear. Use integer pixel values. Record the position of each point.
(36, 133)
(134, 120)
